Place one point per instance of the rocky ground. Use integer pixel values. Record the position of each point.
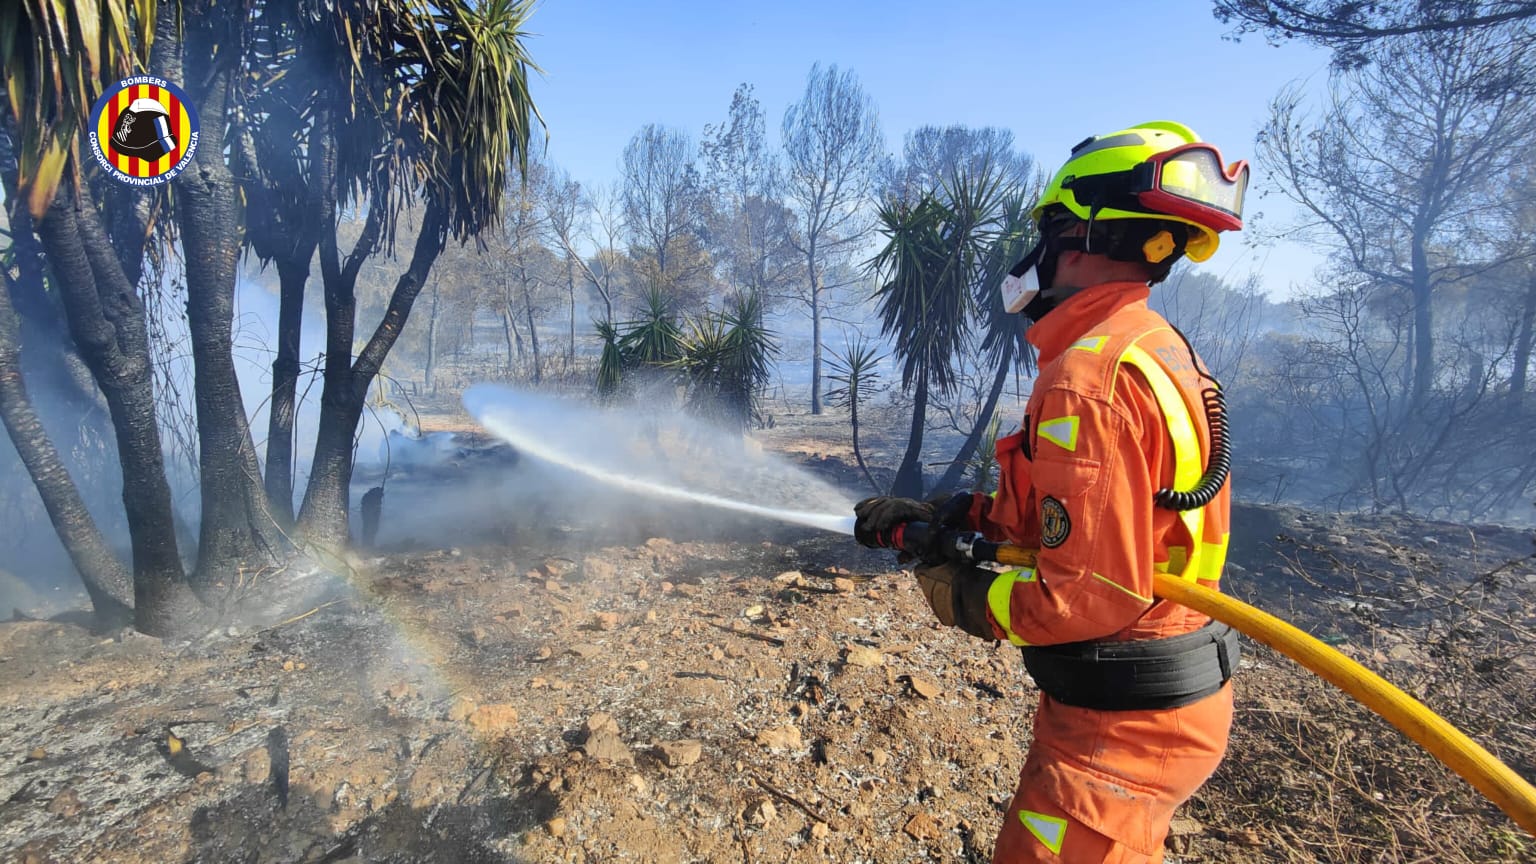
(759, 694)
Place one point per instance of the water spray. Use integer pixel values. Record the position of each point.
(523, 420)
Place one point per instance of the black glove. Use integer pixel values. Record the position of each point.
(957, 594)
(878, 518)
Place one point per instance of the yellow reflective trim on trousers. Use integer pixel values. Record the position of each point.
(999, 596)
(1113, 584)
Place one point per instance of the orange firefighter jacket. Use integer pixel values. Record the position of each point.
(1077, 481)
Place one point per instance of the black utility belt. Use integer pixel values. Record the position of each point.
(1139, 675)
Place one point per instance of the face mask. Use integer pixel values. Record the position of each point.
(1027, 288)
(1022, 284)
(1023, 289)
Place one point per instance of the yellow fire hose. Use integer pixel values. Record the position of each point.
(1450, 745)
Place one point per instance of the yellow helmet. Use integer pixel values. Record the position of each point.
(1156, 170)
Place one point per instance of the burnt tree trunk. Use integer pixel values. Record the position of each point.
(430, 382)
(292, 276)
(952, 474)
(106, 321)
(909, 476)
(324, 517)
(533, 335)
(237, 529)
(106, 581)
(1523, 342)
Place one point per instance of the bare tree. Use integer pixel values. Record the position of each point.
(751, 232)
(562, 201)
(1351, 27)
(931, 154)
(1401, 170)
(832, 147)
(661, 209)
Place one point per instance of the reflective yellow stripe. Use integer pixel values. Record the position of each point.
(1000, 593)
(1205, 560)
(1113, 584)
(1094, 344)
(1213, 556)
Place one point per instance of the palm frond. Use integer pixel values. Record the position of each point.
(57, 57)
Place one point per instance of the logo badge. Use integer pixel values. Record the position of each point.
(143, 131)
(1054, 523)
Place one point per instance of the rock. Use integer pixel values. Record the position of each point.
(760, 812)
(637, 783)
(600, 739)
(585, 650)
(1403, 652)
(599, 570)
(790, 577)
(558, 568)
(607, 621)
(256, 766)
(842, 585)
(555, 826)
(609, 747)
(1183, 826)
(819, 831)
(600, 721)
(921, 827)
(1337, 540)
(461, 709)
(1430, 541)
(677, 754)
(544, 653)
(780, 738)
(493, 720)
(552, 586)
(863, 656)
(637, 666)
(923, 687)
(36, 754)
(477, 636)
(66, 804)
(398, 690)
(879, 757)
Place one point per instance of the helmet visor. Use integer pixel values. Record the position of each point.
(1190, 182)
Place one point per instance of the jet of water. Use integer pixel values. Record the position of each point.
(575, 437)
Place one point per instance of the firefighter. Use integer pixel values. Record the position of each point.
(1117, 472)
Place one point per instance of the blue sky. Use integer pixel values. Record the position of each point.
(1050, 72)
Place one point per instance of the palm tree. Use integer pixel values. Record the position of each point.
(725, 361)
(855, 372)
(95, 249)
(458, 73)
(1002, 345)
(931, 261)
(106, 580)
(416, 101)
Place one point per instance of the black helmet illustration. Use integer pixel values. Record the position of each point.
(143, 130)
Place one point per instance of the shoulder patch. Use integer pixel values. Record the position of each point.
(1055, 525)
(1061, 431)
(1094, 344)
